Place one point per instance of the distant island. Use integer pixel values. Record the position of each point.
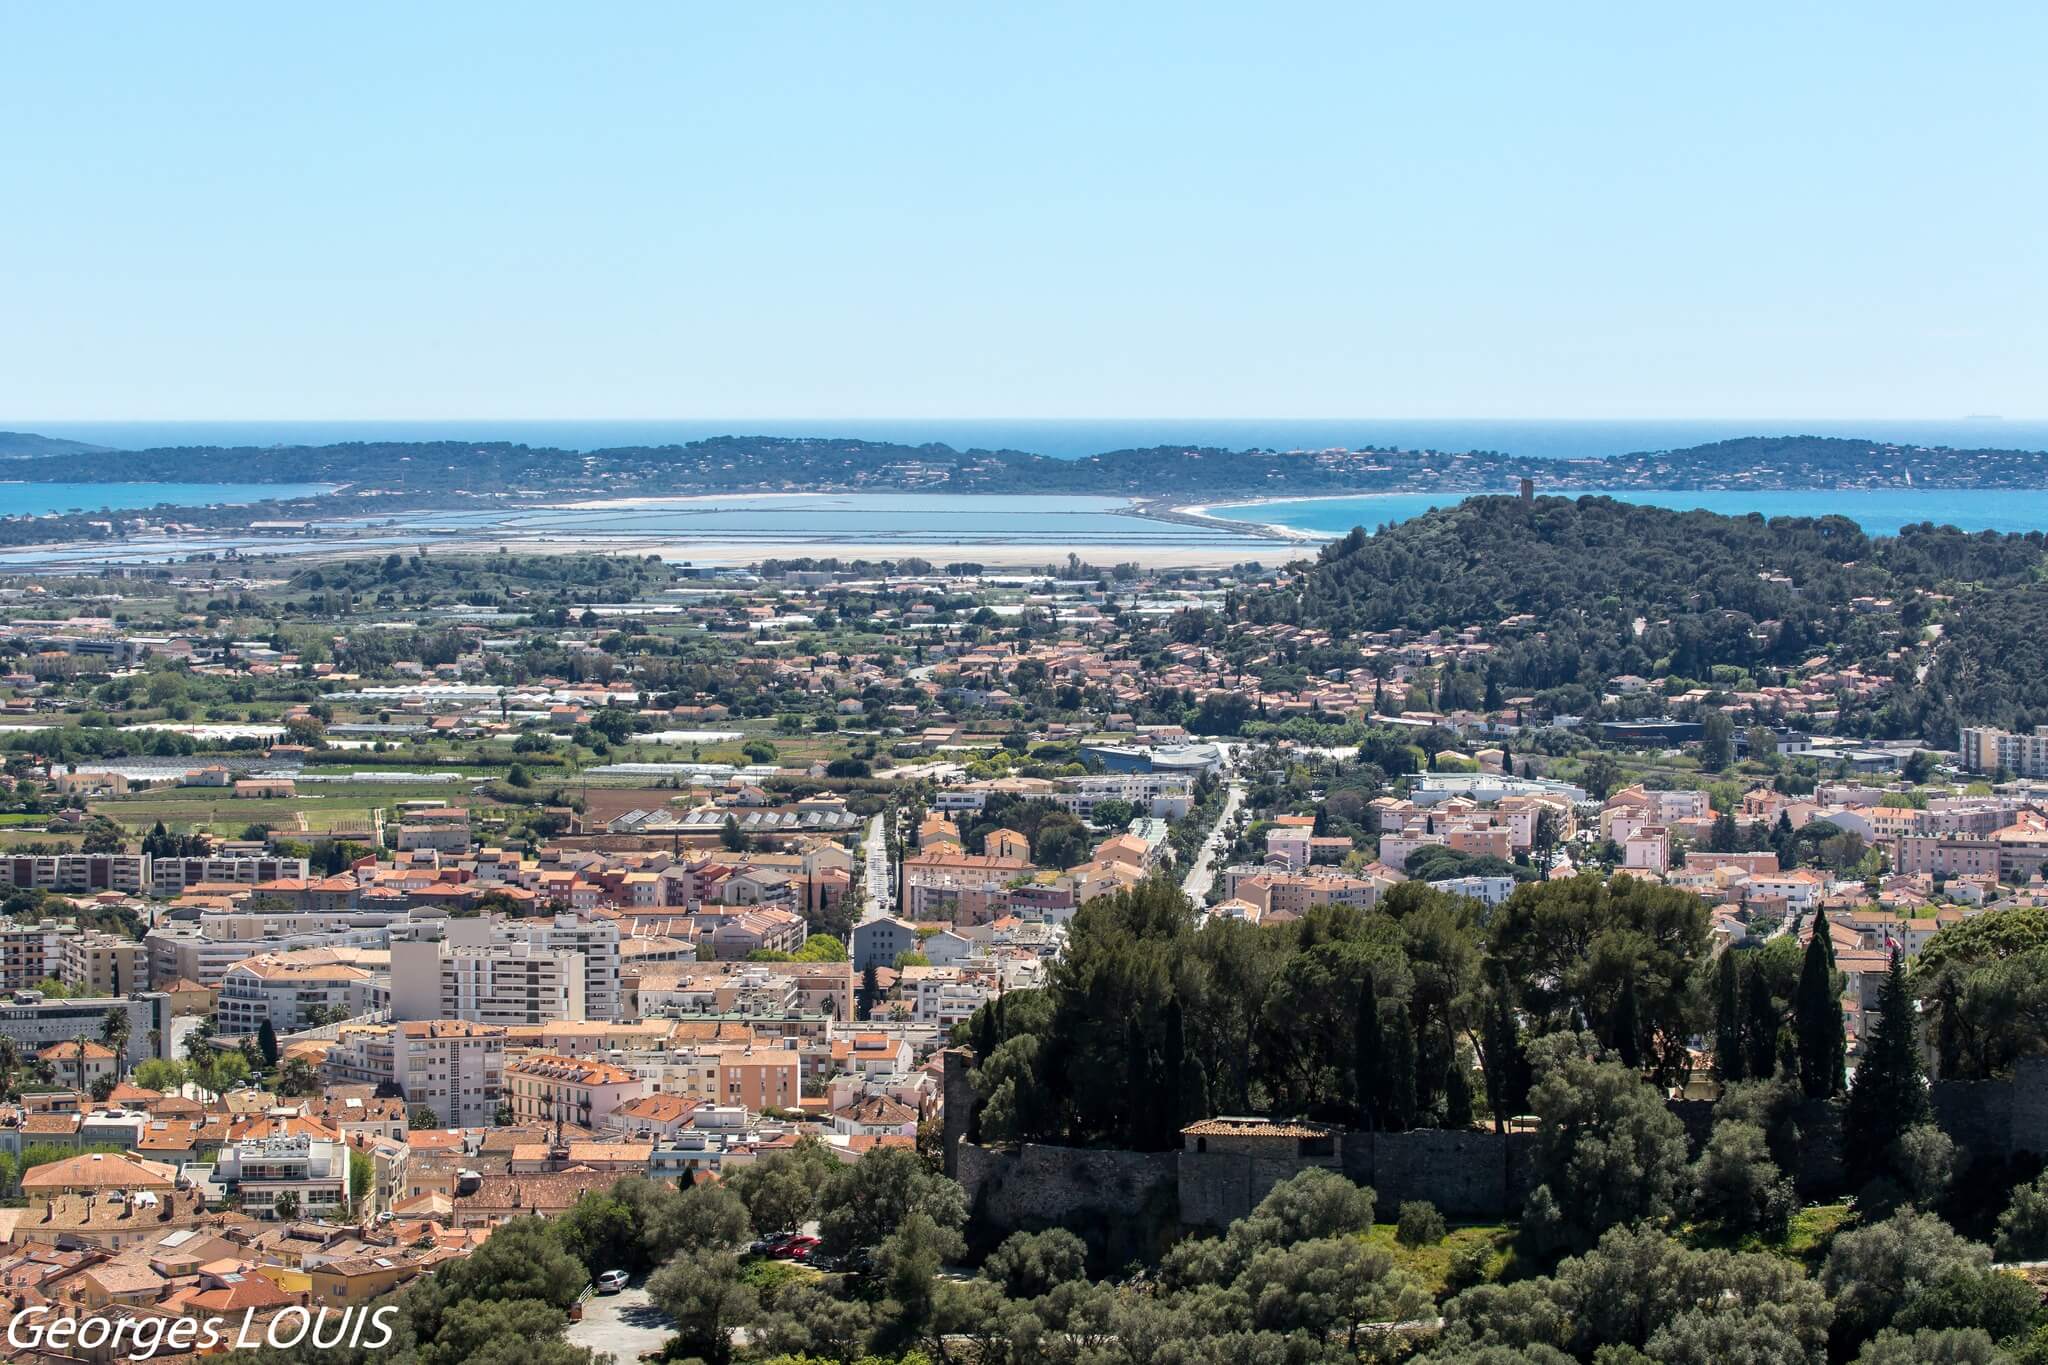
(737, 464)
(373, 478)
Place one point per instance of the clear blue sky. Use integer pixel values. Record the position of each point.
(1101, 209)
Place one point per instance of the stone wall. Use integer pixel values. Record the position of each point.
(1218, 1188)
(2030, 1107)
(1472, 1174)
(1125, 1204)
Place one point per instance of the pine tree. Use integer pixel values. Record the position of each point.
(1760, 1025)
(1366, 1054)
(1889, 1094)
(1729, 1061)
(1817, 1014)
(1625, 1027)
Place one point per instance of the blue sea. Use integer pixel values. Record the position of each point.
(1073, 438)
(1879, 511)
(38, 499)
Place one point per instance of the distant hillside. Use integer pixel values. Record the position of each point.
(761, 463)
(15, 445)
(1612, 588)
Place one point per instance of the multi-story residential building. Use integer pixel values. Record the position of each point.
(1485, 890)
(763, 929)
(203, 950)
(78, 873)
(1986, 750)
(260, 1172)
(451, 1066)
(488, 982)
(543, 1088)
(284, 990)
(454, 1067)
(170, 876)
(956, 886)
(1294, 893)
(947, 995)
(99, 963)
(511, 971)
(32, 953)
(879, 940)
(1162, 795)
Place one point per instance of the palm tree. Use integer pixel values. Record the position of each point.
(79, 1042)
(10, 1062)
(115, 1030)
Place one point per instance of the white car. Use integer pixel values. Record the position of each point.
(611, 1282)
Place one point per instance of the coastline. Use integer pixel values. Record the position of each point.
(1199, 514)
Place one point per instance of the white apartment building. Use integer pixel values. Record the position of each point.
(494, 971)
(450, 1066)
(284, 993)
(945, 997)
(263, 1170)
(479, 974)
(453, 1067)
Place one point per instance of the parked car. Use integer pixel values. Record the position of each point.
(611, 1282)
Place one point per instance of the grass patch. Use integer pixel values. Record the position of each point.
(1431, 1265)
(1806, 1239)
(1812, 1229)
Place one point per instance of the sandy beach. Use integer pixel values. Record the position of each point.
(1203, 512)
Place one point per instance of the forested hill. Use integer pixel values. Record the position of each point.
(761, 463)
(26, 444)
(1611, 588)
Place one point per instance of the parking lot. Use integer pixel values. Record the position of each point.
(624, 1325)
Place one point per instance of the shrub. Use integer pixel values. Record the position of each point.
(1420, 1224)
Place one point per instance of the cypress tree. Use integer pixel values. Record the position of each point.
(1366, 1054)
(1172, 1075)
(266, 1043)
(1760, 1026)
(1138, 1097)
(1625, 1028)
(1888, 1095)
(1507, 1062)
(1457, 1098)
(1398, 1076)
(1817, 1014)
(1728, 1056)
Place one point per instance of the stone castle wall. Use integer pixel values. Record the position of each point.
(1131, 1201)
